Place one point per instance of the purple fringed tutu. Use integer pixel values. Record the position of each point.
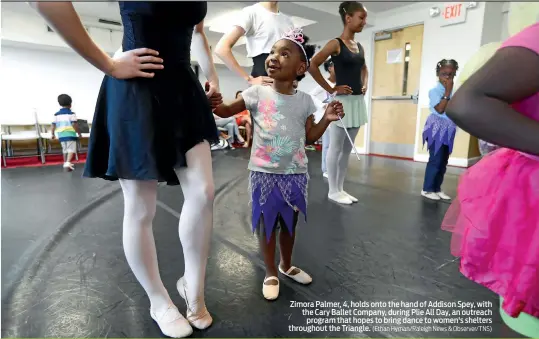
(274, 195)
(439, 131)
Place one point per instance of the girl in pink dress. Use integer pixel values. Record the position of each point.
(495, 219)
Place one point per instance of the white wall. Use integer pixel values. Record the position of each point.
(35, 77)
(29, 28)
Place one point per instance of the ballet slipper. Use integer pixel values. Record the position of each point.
(270, 292)
(301, 277)
(200, 319)
(339, 198)
(354, 199)
(171, 322)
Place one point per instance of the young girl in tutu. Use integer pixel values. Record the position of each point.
(495, 218)
(439, 131)
(283, 123)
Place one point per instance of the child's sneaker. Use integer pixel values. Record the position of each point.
(69, 166)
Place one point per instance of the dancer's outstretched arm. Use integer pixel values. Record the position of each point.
(63, 18)
(203, 54)
(482, 105)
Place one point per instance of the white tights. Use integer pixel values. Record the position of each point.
(195, 228)
(338, 156)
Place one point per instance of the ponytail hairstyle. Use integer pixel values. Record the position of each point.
(446, 62)
(349, 8)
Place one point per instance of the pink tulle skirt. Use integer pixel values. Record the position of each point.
(495, 225)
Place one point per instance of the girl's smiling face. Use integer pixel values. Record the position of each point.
(285, 61)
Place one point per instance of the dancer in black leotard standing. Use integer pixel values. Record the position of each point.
(351, 73)
(146, 127)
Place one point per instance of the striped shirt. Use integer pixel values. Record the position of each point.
(63, 122)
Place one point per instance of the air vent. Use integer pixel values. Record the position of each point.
(110, 22)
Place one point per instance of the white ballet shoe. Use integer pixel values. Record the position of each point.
(270, 292)
(325, 175)
(201, 319)
(171, 322)
(340, 198)
(443, 196)
(301, 277)
(354, 199)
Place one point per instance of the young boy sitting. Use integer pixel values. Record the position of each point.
(65, 125)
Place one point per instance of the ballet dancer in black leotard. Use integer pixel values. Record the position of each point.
(152, 117)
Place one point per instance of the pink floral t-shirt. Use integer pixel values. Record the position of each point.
(278, 129)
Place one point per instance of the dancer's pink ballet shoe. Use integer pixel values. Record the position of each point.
(200, 319)
(171, 322)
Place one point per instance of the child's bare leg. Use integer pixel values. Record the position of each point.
(69, 157)
(268, 252)
(286, 246)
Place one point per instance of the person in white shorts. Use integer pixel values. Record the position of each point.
(66, 129)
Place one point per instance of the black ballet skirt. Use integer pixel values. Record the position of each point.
(143, 128)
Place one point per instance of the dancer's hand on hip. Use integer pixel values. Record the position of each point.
(262, 80)
(334, 111)
(137, 63)
(364, 89)
(342, 89)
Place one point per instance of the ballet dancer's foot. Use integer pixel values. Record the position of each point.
(171, 322)
(270, 287)
(430, 195)
(198, 316)
(68, 166)
(340, 198)
(443, 196)
(296, 274)
(354, 199)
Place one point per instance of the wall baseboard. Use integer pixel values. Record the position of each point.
(457, 162)
(361, 150)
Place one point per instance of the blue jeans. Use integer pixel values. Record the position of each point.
(325, 147)
(435, 171)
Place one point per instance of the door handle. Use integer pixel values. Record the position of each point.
(394, 97)
(415, 98)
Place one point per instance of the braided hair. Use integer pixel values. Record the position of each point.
(349, 8)
(446, 62)
(309, 50)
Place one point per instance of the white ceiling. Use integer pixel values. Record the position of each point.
(319, 19)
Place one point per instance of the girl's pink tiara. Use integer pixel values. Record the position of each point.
(296, 35)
